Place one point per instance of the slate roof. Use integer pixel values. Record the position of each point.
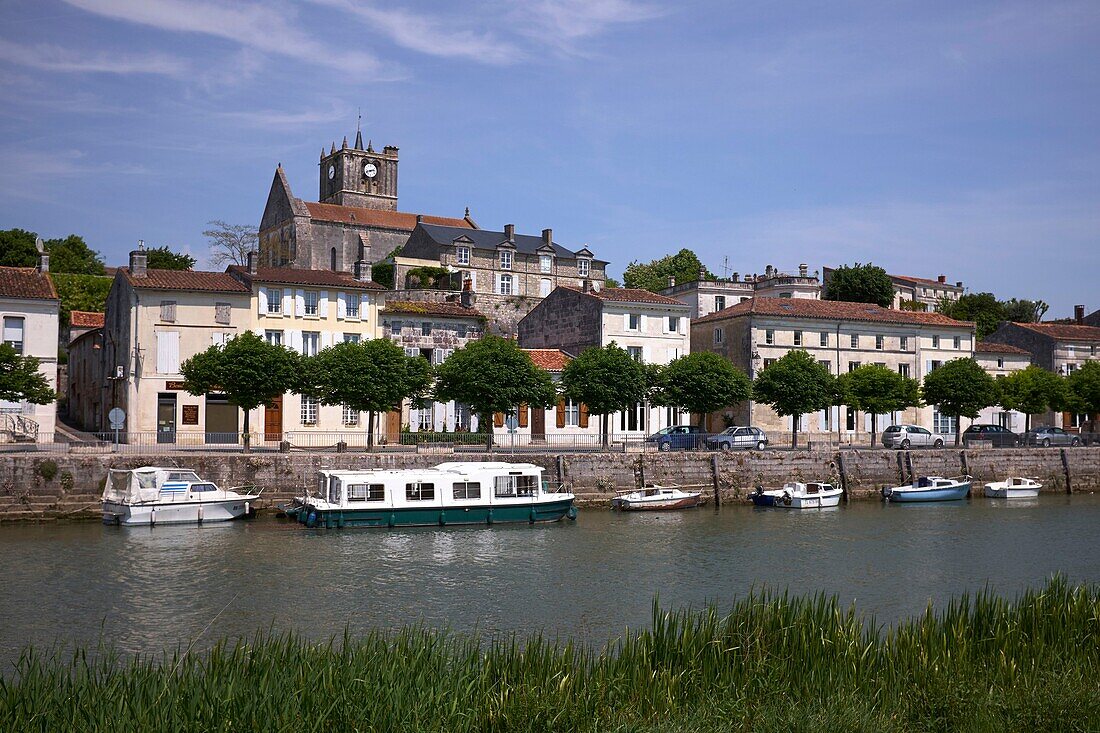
(1063, 331)
(217, 282)
(925, 281)
(831, 310)
(85, 319)
(552, 360)
(988, 347)
(487, 239)
(426, 308)
(301, 276)
(26, 282)
(629, 295)
(377, 217)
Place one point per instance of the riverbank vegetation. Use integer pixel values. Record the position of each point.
(773, 662)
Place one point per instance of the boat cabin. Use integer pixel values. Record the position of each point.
(153, 484)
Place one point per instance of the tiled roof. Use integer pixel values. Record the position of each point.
(298, 276)
(1064, 331)
(988, 347)
(925, 281)
(426, 308)
(530, 244)
(377, 217)
(552, 360)
(629, 295)
(833, 310)
(216, 282)
(85, 319)
(26, 282)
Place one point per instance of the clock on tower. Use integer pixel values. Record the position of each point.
(359, 176)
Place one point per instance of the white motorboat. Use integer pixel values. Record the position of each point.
(152, 495)
(655, 497)
(1016, 487)
(930, 488)
(796, 495)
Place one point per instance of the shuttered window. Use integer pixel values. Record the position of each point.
(221, 313)
(168, 352)
(168, 311)
(13, 333)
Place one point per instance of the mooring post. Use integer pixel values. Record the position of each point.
(909, 466)
(843, 477)
(964, 462)
(714, 478)
(901, 468)
(561, 470)
(1065, 470)
(641, 472)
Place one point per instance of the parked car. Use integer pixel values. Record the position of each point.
(738, 437)
(678, 437)
(995, 435)
(1047, 436)
(911, 436)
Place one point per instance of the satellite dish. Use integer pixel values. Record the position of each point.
(39, 245)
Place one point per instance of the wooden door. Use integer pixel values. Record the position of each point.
(538, 423)
(393, 427)
(273, 421)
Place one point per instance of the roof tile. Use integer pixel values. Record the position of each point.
(85, 319)
(988, 347)
(429, 308)
(831, 310)
(377, 217)
(300, 276)
(552, 360)
(629, 295)
(1064, 331)
(217, 282)
(26, 282)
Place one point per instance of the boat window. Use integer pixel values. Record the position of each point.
(366, 492)
(467, 490)
(147, 480)
(334, 492)
(188, 476)
(202, 487)
(420, 491)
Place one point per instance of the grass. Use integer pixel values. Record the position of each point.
(772, 663)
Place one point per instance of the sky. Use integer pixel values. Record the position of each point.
(929, 137)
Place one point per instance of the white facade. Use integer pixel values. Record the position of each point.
(30, 325)
(1001, 363)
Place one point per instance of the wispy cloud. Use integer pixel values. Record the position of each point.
(277, 119)
(564, 23)
(46, 57)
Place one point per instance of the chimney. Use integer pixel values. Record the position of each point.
(138, 260)
(958, 283)
(253, 262)
(362, 271)
(1079, 315)
(586, 286)
(43, 261)
(467, 298)
(735, 276)
(547, 236)
(769, 271)
(943, 278)
(419, 218)
(803, 270)
(672, 281)
(509, 232)
(702, 273)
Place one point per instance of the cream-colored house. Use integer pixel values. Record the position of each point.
(1000, 360)
(29, 317)
(841, 336)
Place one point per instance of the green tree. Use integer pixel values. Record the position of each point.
(371, 376)
(611, 282)
(794, 385)
(20, 379)
(17, 248)
(1084, 391)
(1032, 391)
(606, 380)
(982, 308)
(81, 293)
(702, 383)
(877, 390)
(1024, 311)
(247, 369)
(73, 255)
(492, 375)
(860, 284)
(960, 388)
(653, 275)
(163, 258)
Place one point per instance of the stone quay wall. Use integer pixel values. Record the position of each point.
(41, 486)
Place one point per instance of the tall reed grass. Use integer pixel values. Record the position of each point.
(773, 662)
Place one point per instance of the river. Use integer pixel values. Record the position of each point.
(148, 589)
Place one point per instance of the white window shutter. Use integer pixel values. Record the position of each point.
(217, 338)
(162, 352)
(928, 366)
(295, 339)
(409, 351)
(322, 305)
(261, 301)
(447, 354)
(326, 339)
(300, 303)
(173, 353)
(364, 306)
(341, 306)
(258, 331)
(288, 302)
(437, 356)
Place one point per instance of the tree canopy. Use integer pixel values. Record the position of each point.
(370, 376)
(607, 380)
(20, 379)
(81, 293)
(248, 370)
(987, 312)
(793, 385)
(17, 248)
(73, 255)
(163, 258)
(860, 283)
(230, 243)
(1032, 391)
(702, 383)
(492, 375)
(653, 275)
(960, 388)
(877, 390)
(1084, 390)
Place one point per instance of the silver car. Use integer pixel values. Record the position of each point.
(911, 436)
(1047, 436)
(738, 437)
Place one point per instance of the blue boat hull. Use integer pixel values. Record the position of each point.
(763, 500)
(952, 494)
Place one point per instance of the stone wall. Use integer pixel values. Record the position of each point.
(35, 486)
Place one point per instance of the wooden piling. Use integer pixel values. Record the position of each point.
(843, 473)
(714, 478)
(1065, 470)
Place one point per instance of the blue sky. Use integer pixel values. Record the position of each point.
(928, 137)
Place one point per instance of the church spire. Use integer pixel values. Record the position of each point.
(370, 147)
(344, 145)
(332, 150)
(358, 140)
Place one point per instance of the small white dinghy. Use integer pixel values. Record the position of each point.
(655, 497)
(152, 495)
(796, 495)
(1016, 487)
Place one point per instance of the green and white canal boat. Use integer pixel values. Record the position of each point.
(454, 493)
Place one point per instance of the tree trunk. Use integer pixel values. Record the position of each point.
(958, 432)
(370, 430)
(1027, 423)
(603, 429)
(488, 422)
(247, 433)
(794, 431)
(874, 428)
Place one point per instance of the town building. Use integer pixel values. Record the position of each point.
(566, 424)
(1058, 347)
(29, 309)
(355, 217)
(709, 296)
(841, 336)
(1000, 360)
(84, 390)
(653, 328)
(917, 293)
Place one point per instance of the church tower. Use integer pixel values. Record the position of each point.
(354, 176)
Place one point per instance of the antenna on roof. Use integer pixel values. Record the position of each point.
(359, 122)
(726, 267)
(141, 245)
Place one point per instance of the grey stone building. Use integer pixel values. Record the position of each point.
(355, 217)
(710, 296)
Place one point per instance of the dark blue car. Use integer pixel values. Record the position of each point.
(678, 437)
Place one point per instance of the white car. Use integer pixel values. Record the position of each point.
(738, 437)
(911, 436)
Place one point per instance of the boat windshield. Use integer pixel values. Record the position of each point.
(188, 476)
(202, 487)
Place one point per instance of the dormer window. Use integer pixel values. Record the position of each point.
(583, 267)
(546, 263)
(462, 255)
(505, 260)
